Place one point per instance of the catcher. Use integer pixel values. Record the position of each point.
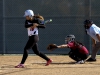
(78, 52)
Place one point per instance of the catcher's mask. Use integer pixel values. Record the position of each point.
(69, 38)
(88, 23)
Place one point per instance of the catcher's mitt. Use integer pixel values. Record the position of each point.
(51, 47)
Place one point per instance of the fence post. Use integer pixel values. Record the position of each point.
(4, 27)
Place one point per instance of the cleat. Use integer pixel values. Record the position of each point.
(48, 62)
(20, 66)
(91, 60)
(80, 62)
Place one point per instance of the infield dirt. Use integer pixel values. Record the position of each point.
(61, 65)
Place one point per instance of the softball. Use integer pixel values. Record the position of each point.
(50, 20)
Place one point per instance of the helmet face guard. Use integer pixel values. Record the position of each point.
(69, 38)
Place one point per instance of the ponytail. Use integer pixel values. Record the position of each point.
(39, 17)
(78, 43)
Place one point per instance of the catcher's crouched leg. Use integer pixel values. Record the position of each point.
(73, 56)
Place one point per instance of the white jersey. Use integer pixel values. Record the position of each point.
(29, 24)
(32, 31)
(92, 31)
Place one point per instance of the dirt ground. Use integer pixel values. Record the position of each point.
(61, 65)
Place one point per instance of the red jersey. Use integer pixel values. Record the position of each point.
(82, 49)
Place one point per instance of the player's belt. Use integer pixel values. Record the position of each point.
(32, 34)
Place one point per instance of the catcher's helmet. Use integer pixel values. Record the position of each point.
(69, 38)
(29, 13)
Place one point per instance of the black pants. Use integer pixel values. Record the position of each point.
(32, 43)
(77, 56)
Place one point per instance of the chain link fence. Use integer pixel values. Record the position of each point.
(67, 16)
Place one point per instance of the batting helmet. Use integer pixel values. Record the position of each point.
(29, 13)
